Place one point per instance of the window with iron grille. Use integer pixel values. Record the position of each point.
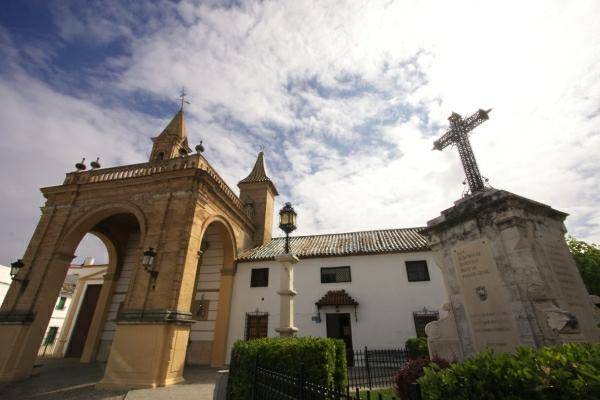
(61, 303)
(417, 271)
(51, 335)
(259, 277)
(422, 318)
(335, 274)
(257, 325)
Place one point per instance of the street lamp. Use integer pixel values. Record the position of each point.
(15, 267)
(287, 223)
(148, 263)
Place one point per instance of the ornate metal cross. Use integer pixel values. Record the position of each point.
(182, 98)
(458, 135)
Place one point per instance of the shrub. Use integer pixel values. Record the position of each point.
(417, 347)
(570, 371)
(411, 371)
(322, 360)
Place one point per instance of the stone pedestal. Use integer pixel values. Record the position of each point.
(510, 278)
(286, 294)
(146, 356)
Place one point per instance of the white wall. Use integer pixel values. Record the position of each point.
(5, 281)
(379, 283)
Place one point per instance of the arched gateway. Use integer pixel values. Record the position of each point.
(176, 204)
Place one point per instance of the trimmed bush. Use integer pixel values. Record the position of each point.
(410, 372)
(570, 371)
(417, 347)
(322, 360)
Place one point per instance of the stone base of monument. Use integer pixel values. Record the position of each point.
(510, 278)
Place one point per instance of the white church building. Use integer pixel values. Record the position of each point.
(373, 288)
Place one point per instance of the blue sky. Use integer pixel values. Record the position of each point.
(347, 98)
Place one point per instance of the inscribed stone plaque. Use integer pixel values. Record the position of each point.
(486, 300)
(566, 278)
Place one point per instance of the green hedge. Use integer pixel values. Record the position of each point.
(570, 371)
(417, 347)
(323, 361)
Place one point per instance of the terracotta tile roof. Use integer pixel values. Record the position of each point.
(342, 244)
(336, 298)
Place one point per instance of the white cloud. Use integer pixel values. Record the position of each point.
(348, 97)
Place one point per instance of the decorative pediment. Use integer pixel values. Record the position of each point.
(336, 298)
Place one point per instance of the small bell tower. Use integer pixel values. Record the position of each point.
(172, 141)
(258, 192)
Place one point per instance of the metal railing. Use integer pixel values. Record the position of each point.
(374, 368)
(272, 385)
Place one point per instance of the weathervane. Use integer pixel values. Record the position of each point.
(458, 135)
(182, 98)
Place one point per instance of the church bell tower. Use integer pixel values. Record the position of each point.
(172, 141)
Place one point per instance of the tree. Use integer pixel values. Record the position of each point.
(587, 258)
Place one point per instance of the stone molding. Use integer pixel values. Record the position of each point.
(154, 316)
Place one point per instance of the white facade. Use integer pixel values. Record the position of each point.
(76, 275)
(5, 281)
(379, 283)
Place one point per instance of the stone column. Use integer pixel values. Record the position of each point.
(286, 294)
(510, 278)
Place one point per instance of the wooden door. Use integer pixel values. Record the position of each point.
(84, 319)
(339, 327)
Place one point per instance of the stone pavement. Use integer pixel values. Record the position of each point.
(68, 379)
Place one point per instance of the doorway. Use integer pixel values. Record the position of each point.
(339, 327)
(84, 319)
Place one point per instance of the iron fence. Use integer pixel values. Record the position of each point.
(375, 368)
(272, 385)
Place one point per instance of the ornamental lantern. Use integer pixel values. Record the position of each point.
(287, 223)
(148, 261)
(15, 267)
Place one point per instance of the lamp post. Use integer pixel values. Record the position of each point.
(15, 267)
(287, 223)
(148, 263)
(286, 292)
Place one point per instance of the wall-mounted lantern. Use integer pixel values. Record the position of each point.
(287, 223)
(148, 263)
(15, 267)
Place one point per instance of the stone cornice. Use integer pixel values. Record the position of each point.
(481, 205)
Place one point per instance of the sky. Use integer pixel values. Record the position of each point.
(346, 97)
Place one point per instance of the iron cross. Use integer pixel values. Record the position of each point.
(458, 135)
(182, 98)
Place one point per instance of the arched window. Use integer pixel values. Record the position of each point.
(160, 156)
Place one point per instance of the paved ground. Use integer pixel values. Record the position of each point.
(68, 379)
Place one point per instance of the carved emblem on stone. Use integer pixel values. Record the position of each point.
(481, 292)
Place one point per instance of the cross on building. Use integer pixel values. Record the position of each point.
(458, 135)
(182, 98)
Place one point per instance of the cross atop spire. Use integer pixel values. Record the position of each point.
(458, 135)
(182, 98)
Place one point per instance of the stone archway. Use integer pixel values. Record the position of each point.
(211, 299)
(171, 203)
(31, 305)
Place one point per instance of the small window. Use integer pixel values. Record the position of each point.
(51, 335)
(417, 271)
(335, 275)
(256, 325)
(422, 318)
(260, 277)
(61, 303)
(160, 156)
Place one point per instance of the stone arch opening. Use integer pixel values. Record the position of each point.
(211, 299)
(120, 231)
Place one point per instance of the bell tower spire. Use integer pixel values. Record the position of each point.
(258, 192)
(172, 141)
